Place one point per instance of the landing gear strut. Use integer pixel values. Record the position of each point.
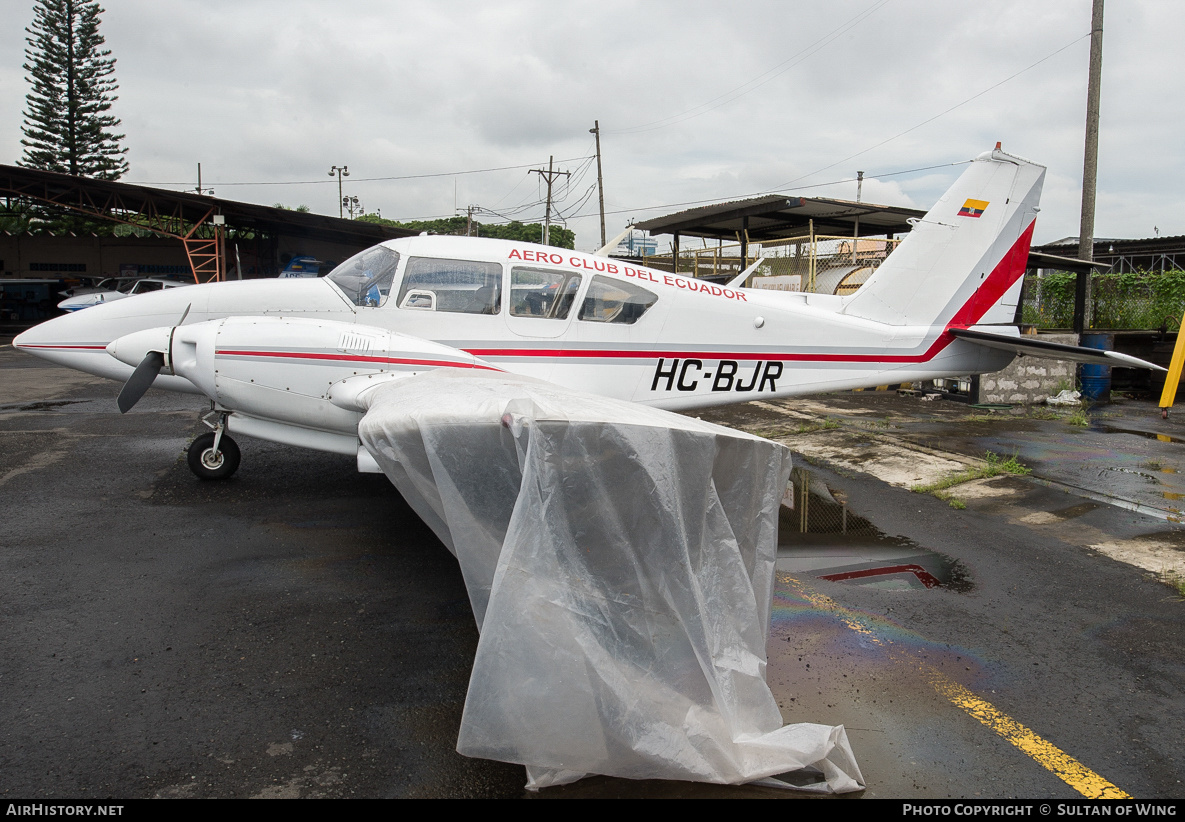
(214, 456)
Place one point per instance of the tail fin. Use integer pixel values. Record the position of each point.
(964, 262)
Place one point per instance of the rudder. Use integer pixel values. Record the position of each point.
(964, 262)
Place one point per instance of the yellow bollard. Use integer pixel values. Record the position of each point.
(1172, 378)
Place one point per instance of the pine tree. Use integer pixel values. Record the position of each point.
(66, 126)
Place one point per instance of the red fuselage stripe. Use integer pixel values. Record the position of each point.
(308, 355)
(68, 347)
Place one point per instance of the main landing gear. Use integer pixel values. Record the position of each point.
(214, 456)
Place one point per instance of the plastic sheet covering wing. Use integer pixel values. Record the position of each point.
(619, 560)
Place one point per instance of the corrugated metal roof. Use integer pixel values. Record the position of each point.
(101, 196)
(778, 216)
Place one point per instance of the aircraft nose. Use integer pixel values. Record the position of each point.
(25, 339)
(79, 340)
(51, 335)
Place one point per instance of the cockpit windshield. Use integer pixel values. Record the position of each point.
(366, 277)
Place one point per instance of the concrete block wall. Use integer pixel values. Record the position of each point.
(1029, 380)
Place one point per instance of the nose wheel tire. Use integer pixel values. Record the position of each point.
(208, 464)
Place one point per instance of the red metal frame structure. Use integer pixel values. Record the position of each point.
(185, 215)
(206, 258)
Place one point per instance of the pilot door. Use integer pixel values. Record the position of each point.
(541, 301)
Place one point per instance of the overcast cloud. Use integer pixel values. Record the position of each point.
(277, 92)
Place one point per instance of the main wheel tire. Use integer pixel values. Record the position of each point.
(208, 464)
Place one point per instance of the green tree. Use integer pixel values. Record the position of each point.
(15, 216)
(67, 128)
(523, 232)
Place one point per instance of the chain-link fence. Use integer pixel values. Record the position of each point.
(820, 509)
(813, 263)
(1132, 300)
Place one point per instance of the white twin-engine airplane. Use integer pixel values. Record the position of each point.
(293, 360)
(619, 558)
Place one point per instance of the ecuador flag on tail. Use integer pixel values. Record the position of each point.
(973, 208)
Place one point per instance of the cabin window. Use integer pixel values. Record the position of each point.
(366, 277)
(460, 286)
(612, 301)
(537, 292)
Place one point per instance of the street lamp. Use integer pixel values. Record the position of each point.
(344, 171)
(352, 205)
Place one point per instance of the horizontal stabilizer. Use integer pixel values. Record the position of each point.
(1051, 350)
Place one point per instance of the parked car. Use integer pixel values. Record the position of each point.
(116, 289)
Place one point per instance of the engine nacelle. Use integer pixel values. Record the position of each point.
(281, 368)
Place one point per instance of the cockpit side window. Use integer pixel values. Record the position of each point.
(366, 277)
(612, 301)
(537, 292)
(459, 286)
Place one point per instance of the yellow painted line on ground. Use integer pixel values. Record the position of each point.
(1044, 753)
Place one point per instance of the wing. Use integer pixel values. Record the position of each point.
(619, 560)
(1057, 351)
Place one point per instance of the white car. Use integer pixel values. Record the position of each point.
(112, 289)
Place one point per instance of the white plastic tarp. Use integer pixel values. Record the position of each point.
(619, 561)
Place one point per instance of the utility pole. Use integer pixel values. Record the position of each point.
(550, 176)
(596, 129)
(859, 194)
(1090, 165)
(344, 171)
(199, 188)
(469, 220)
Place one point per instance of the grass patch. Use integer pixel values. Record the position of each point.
(1076, 417)
(1175, 580)
(825, 424)
(994, 465)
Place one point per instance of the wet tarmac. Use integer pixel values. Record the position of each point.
(296, 631)
(1057, 616)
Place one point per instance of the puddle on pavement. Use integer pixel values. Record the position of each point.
(1143, 474)
(1075, 510)
(1152, 435)
(821, 538)
(39, 406)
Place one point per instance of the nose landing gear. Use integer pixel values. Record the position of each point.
(214, 456)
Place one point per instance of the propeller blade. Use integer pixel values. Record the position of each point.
(140, 380)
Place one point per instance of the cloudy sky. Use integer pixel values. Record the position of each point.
(697, 102)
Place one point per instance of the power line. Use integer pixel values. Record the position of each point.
(931, 119)
(368, 179)
(583, 199)
(508, 217)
